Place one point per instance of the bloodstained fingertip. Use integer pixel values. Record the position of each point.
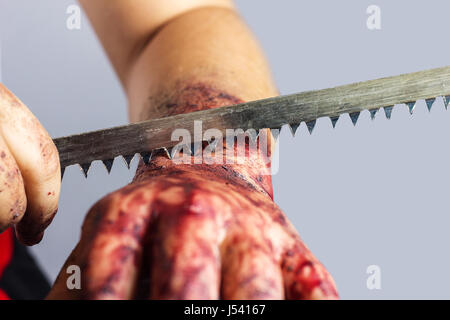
(30, 232)
(305, 278)
(28, 240)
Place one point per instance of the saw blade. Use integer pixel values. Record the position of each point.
(147, 137)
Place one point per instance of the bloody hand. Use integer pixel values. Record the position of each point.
(194, 232)
(182, 231)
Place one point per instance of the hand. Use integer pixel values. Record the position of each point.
(193, 232)
(30, 175)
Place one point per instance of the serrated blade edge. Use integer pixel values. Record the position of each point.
(274, 112)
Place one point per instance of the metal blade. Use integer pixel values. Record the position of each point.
(274, 112)
(194, 149)
(128, 159)
(146, 156)
(108, 164)
(85, 168)
(310, 125)
(354, 117)
(294, 127)
(334, 120)
(430, 103)
(411, 106)
(166, 152)
(388, 111)
(446, 101)
(253, 135)
(275, 133)
(213, 144)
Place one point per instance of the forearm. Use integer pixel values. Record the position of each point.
(203, 231)
(202, 59)
(206, 58)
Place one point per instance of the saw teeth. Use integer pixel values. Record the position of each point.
(173, 151)
(310, 125)
(193, 149)
(188, 148)
(197, 148)
(252, 134)
(333, 121)
(166, 152)
(388, 111)
(158, 151)
(446, 101)
(213, 143)
(430, 103)
(128, 159)
(294, 127)
(146, 157)
(85, 168)
(411, 105)
(275, 133)
(354, 117)
(108, 164)
(253, 137)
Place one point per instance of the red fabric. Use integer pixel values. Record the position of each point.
(6, 250)
(3, 295)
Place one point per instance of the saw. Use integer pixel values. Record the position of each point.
(147, 137)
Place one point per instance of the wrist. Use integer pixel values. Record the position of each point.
(250, 176)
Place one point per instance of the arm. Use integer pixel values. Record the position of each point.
(190, 231)
(159, 48)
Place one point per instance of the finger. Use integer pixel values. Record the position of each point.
(305, 278)
(12, 193)
(249, 270)
(117, 233)
(79, 256)
(185, 257)
(60, 289)
(38, 161)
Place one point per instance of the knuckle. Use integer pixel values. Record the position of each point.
(12, 213)
(11, 186)
(12, 193)
(48, 159)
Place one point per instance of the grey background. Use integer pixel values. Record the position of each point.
(374, 194)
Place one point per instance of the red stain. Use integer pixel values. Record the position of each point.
(199, 96)
(242, 187)
(301, 286)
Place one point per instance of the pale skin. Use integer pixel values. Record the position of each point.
(30, 177)
(189, 231)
